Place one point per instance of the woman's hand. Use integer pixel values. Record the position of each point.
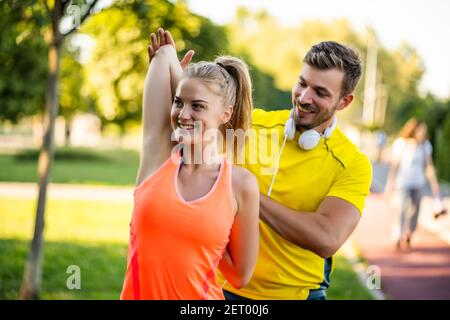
(388, 191)
(165, 38)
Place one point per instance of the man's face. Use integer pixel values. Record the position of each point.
(316, 96)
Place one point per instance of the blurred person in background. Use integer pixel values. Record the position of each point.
(411, 166)
(381, 139)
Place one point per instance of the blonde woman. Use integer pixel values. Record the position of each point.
(191, 217)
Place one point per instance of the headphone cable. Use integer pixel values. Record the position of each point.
(276, 167)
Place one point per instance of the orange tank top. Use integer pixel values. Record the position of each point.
(176, 245)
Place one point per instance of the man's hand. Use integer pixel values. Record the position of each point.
(165, 38)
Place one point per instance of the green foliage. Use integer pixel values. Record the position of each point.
(266, 94)
(73, 97)
(401, 71)
(442, 153)
(23, 61)
(436, 114)
(23, 64)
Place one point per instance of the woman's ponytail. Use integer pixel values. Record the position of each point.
(239, 93)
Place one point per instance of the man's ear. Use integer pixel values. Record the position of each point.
(345, 101)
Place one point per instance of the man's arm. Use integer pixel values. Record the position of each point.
(322, 232)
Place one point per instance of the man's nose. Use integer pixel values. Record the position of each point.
(304, 96)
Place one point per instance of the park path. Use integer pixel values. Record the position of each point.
(68, 191)
(421, 272)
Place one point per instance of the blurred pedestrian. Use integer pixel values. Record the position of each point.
(381, 139)
(411, 166)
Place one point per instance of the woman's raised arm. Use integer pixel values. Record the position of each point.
(160, 84)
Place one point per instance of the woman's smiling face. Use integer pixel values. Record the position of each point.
(196, 109)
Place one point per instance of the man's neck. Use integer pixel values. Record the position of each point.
(321, 128)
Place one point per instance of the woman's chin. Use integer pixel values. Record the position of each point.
(181, 136)
(189, 137)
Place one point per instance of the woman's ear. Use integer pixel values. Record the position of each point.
(228, 113)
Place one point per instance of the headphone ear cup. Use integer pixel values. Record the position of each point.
(328, 131)
(289, 129)
(309, 139)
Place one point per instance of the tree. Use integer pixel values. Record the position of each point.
(50, 16)
(436, 114)
(442, 154)
(402, 70)
(22, 62)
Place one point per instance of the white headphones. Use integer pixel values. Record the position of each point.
(308, 140)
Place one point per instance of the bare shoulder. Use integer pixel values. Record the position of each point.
(244, 183)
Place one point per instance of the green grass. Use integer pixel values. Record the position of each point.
(68, 220)
(74, 165)
(93, 236)
(102, 269)
(344, 282)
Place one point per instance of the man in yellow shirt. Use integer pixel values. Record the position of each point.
(316, 178)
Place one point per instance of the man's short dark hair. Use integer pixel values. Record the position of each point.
(329, 55)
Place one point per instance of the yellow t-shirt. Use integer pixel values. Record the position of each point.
(333, 168)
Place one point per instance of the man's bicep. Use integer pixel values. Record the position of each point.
(341, 216)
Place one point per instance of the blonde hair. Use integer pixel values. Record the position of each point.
(235, 87)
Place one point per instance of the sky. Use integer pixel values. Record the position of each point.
(424, 24)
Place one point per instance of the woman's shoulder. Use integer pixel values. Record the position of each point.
(244, 182)
(428, 147)
(399, 141)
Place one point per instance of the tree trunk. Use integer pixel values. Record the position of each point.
(67, 130)
(33, 267)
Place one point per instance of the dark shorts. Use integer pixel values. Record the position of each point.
(319, 294)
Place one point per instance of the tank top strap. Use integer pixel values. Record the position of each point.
(168, 168)
(224, 188)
